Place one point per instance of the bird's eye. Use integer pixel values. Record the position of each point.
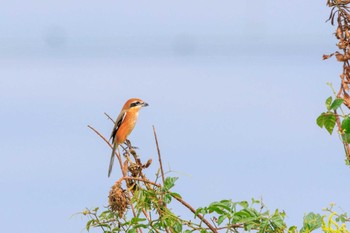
(134, 104)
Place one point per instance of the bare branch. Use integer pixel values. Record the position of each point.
(159, 156)
(104, 139)
(109, 118)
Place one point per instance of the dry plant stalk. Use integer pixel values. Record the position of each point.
(340, 16)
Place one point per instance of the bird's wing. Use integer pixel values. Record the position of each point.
(117, 124)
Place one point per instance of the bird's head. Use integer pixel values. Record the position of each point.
(135, 103)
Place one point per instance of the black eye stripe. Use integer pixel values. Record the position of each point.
(134, 104)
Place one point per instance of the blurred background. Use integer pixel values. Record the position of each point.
(234, 89)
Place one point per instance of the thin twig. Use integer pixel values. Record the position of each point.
(95, 215)
(104, 139)
(139, 179)
(159, 156)
(345, 144)
(110, 118)
(160, 161)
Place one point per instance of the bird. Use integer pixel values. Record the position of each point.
(124, 125)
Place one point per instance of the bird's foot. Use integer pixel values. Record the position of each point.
(128, 144)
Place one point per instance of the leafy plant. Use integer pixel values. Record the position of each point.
(328, 119)
(138, 204)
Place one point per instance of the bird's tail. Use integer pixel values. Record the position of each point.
(112, 159)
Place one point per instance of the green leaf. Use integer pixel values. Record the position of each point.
(224, 204)
(215, 209)
(345, 125)
(277, 220)
(329, 122)
(292, 229)
(201, 210)
(244, 204)
(88, 224)
(177, 227)
(104, 225)
(105, 214)
(176, 195)
(342, 218)
(263, 226)
(328, 103)
(219, 207)
(227, 203)
(336, 103)
(320, 120)
(167, 198)
(137, 226)
(169, 182)
(311, 222)
(221, 219)
(347, 162)
(246, 216)
(255, 201)
(137, 220)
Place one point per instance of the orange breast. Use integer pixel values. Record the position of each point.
(127, 126)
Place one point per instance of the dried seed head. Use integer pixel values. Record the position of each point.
(342, 43)
(135, 170)
(117, 199)
(147, 164)
(347, 34)
(326, 56)
(338, 33)
(346, 70)
(133, 152)
(340, 57)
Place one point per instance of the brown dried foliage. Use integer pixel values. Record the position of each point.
(340, 16)
(117, 199)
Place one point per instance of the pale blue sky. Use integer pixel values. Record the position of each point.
(234, 90)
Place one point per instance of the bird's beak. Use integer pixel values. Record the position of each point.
(145, 104)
